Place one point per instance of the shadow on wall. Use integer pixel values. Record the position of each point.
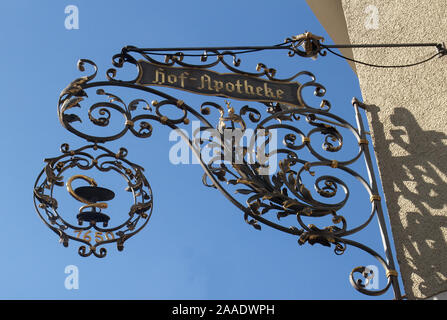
(413, 165)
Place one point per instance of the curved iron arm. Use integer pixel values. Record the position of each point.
(282, 194)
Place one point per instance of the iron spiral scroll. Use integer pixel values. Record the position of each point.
(269, 199)
(84, 158)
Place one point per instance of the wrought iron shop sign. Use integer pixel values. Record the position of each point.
(206, 82)
(310, 152)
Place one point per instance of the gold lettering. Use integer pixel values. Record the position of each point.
(268, 91)
(205, 79)
(238, 86)
(159, 72)
(172, 78)
(218, 85)
(229, 86)
(248, 88)
(279, 93)
(208, 84)
(182, 77)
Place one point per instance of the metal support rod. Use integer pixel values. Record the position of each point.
(285, 46)
(384, 45)
(210, 48)
(380, 215)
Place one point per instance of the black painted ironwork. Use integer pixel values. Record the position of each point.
(102, 159)
(312, 137)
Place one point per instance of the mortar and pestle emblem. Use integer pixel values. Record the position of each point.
(90, 195)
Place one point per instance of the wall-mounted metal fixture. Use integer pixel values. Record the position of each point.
(92, 230)
(313, 139)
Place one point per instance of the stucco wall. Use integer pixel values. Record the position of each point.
(407, 112)
(330, 14)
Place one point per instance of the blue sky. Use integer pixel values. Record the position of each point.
(197, 245)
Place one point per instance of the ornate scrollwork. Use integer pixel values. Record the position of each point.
(284, 192)
(267, 191)
(309, 42)
(47, 207)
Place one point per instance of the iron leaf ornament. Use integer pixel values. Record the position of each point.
(92, 231)
(267, 181)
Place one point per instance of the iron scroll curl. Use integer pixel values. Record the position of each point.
(47, 207)
(269, 198)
